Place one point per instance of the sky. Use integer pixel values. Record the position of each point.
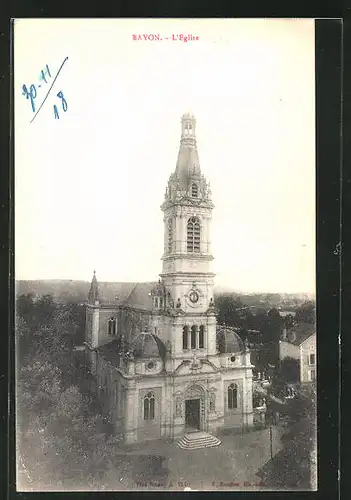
(89, 184)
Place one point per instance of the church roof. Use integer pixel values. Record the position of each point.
(188, 164)
(110, 290)
(136, 295)
(110, 351)
(94, 290)
(228, 341)
(139, 297)
(148, 345)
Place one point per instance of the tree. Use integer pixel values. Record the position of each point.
(289, 321)
(227, 307)
(306, 313)
(294, 466)
(44, 309)
(273, 327)
(25, 306)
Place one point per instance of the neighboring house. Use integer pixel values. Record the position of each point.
(308, 359)
(300, 343)
(162, 364)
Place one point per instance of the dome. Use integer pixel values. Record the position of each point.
(148, 345)
(229, 341)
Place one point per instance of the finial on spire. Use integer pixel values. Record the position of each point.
(93, 295)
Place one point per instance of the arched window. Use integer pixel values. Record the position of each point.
(156, 302)
(194, 190)
(232, 396)
(201, 337)
(193, 235)
(149, 406)
(193, 337)
(161, 302)
(170, 234)
(185, 337)
(112, 326)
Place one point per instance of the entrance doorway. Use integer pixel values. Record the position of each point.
(192, 414)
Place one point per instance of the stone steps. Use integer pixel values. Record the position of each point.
(198, 440)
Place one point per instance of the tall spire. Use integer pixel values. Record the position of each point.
(187, 184)
(93, 295)
(188, 164)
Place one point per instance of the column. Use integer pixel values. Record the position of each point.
(189, 337)
(197, 337)
(177, 336)
(211, 335)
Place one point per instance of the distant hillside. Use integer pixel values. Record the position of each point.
(65, 290)
(76, 290)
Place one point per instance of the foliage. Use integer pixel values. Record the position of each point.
(289, 321)
(306, 313)
(273, 326)
(227, 307)
(293, 467)
(60, 440)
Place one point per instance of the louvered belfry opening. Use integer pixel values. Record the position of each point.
(193, 235)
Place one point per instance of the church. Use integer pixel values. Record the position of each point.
(163, 366)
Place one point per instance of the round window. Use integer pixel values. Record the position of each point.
(150, 365)
(232, 359)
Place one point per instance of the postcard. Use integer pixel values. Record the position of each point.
(165, 254)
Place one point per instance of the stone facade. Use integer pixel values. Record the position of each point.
(155, 355)
(300, 344)
(308, 359)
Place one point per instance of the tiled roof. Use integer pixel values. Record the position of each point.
(109, 291)
(139, 297)
(110, 352)
(302, 331)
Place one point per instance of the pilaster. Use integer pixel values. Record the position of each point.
(130, 415)
(95, 326)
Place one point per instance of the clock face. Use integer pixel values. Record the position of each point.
(194, 296)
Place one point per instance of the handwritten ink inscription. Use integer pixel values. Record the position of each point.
(34, 93)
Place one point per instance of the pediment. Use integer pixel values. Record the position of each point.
(188, 367)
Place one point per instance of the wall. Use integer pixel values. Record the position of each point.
(306, 348)
(288, 350)
(233, 417)
(181, 286)
(149, 429)
(88, 325)
(104, 315)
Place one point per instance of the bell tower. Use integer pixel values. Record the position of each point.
(187, 257)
